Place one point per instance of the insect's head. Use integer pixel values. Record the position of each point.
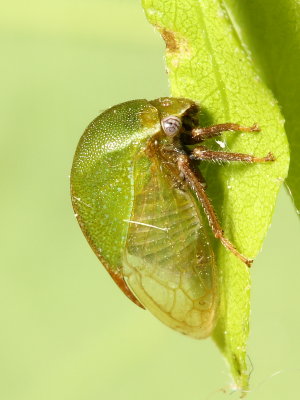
(176, 114)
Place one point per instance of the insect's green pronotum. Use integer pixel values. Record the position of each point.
(138, 194)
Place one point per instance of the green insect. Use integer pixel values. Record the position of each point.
(137, 195)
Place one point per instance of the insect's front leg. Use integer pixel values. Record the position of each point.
(200, 134)
(202, 153)
(185, 168)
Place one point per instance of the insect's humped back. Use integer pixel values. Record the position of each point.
(115, 129)
(101, 177)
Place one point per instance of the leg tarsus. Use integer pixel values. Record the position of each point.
(226, 243)
(270, 157)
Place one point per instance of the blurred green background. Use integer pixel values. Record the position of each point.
(67, 332)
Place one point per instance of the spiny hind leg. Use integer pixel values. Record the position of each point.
(185, 168)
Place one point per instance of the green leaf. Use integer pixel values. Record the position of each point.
(271, 29)
(208, 62)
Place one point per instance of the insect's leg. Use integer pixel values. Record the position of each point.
(202, 180)
(193, 181)
(199, 134)
(202, 153)
(200, 177)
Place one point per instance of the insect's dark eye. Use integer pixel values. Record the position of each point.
(171, 125)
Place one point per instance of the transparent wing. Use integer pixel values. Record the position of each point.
(167, 261)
